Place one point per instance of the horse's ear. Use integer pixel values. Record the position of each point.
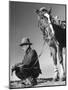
(50, 10)
(37, 11)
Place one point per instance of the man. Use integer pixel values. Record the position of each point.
(29, 69)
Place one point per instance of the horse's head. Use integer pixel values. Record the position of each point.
(45, 20)
(43, 13)
(43, 10)
(44, 17)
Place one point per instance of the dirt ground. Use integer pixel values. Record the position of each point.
(41, 82)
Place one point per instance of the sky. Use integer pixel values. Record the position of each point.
(23, 23)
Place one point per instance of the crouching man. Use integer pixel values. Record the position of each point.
(29, 69)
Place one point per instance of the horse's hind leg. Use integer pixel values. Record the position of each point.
(62, 73)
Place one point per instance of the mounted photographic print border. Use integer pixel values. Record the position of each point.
(41, 29)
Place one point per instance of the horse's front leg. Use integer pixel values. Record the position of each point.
(53, 50)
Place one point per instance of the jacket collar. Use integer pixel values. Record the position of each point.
(28, 50)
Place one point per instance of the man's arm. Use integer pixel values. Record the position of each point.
(16, 65)
(19, 64)
(28, 59)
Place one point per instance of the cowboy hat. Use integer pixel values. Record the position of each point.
(25, 41)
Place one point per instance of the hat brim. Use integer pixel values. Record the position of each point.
(25, 44)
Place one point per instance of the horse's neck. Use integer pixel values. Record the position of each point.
(50, 26)
(46, 28)
(52, 30)
(47, 33)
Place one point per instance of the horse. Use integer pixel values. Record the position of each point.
(55, 36)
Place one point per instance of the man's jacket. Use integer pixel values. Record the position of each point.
(30, 60)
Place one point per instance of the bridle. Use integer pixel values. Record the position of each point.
(48, 25)
(44, 30)
(47, 32)
(42, 21)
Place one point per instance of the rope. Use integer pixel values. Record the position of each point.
(41, 50)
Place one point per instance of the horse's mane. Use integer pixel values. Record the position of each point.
(60, 34)
(60, 30)
(61, 25)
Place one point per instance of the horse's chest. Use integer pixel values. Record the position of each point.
(47, 33)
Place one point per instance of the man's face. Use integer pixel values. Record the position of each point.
(25, 47)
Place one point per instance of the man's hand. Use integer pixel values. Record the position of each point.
(12, 69)
(19, 65)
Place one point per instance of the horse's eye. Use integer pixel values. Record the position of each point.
(45, 17)
(43, 10)
(42, 18)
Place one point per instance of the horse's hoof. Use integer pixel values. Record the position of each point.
(63, 79)
(56, 79)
